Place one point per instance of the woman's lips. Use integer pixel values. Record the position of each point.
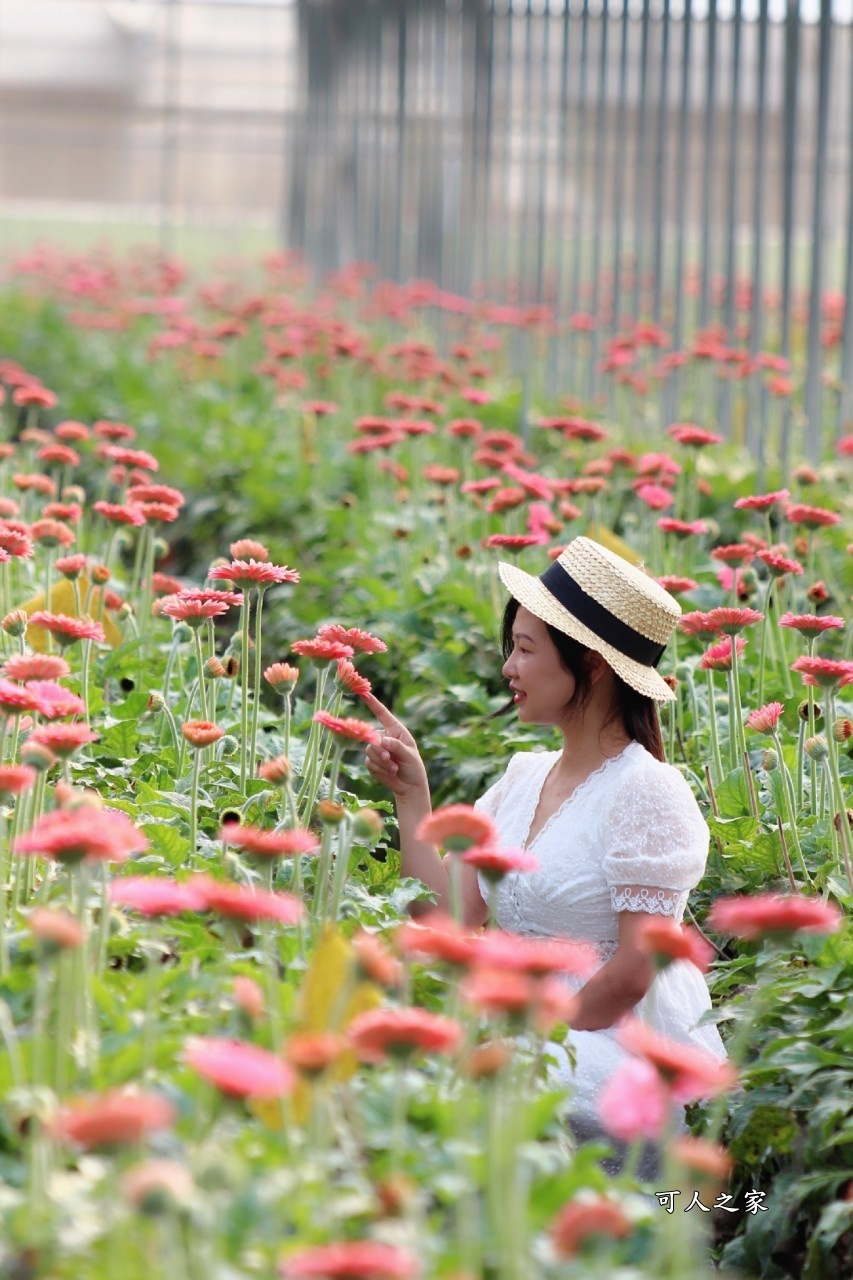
(518, 696)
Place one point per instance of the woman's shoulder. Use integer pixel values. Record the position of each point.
(658, 780)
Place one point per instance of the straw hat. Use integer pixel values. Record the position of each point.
(605, 603)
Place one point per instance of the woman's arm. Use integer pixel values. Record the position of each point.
(621, 982)
(396, 763)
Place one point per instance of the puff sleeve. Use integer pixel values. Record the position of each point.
(656, 842)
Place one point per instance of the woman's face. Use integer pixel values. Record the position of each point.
(540, 684)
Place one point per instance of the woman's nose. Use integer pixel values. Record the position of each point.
(508, 668)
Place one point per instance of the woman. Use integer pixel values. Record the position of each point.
(617, 832)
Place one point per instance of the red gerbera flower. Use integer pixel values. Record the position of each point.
(261, 843)
(825, 672)
(346, 727)
(65, 630)
(697, 624)
(763, 914)
(778, 564)
(400, 1032)
(510, 951)
(692, 436)
(61, 454)
(667, 940)
(582, 1220)
(17, 699)
(675, 585)
(761, 501)
(811, 517)
(114, 1118)
(350, 678)
(322, 650)
(655, 496)
(15, 778)
(238, 1069)
(119, 513)
(496, 863)
(733, 553)
(247, 574)
(439, 936)
(124, 457)
(350, 1260)
(155, 895)
(363, 641)
(156, 493)
(719, 656)
(515, 541)
(83, 835)
(809, 623)
(458, 827)
(732, 621)
(250, 905)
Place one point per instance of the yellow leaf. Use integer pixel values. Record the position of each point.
(63, 600)
(613, 543)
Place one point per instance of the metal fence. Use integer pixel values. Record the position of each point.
(682, 162)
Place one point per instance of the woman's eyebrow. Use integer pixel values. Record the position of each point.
(522, 635)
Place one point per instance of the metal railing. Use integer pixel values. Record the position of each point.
(682, 163)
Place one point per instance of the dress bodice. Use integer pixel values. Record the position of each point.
(629, 838)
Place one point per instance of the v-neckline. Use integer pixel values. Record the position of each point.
(527, 844)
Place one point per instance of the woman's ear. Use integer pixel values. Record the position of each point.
(597, 666)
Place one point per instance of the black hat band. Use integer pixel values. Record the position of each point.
(571, 595)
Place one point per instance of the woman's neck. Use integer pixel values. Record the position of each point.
(588, 741)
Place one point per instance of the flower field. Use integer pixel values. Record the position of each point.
(231, 508)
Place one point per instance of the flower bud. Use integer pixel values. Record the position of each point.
(803, 710)
(281, 676)
(842, 729)
(156, 701)
(231, 663)
(214, 668)
(818, 593)
(248, 998)
(229, 746)
(37, 757)
(54, 931)
(73, 493)
(816, 748)
(158, 1186)
(100, 575)
(182, 632)
(125, 612)
(836, 821)
(201, 733)
(487, 1060)
(15, 623)
(330, 813)
(276, 771)
(770, 760)
(161, 547)
(367, 824)
(68, 797)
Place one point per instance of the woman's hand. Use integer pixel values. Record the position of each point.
(395, 761)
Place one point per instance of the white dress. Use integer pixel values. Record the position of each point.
(629, 838)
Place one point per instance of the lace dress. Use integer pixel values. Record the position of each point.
(629, 838)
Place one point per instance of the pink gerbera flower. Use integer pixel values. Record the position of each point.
(65, 630)
(457, 827)
(63, 739)
(350, 678)
(732, 621)
(719, 656)
(811, 517)
(347, 728)
(83, 835)
(155, 895)
(119, 513)
(259, 574)
(761, 501)
(241, 1070)
(36, 666)
(262, 843)
(685, 433)
(766, 718)
(810, 623)
(363, 641)
(322, 650)
(826, 672)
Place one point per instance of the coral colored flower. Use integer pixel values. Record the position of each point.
(515, 541)
(163, 493)
(701, 1156)
(350, 1260)
(107, 430)
(825, 672)
(56, 930)
(119, 513)
(441, 475)
(734, 553)
(238, 1069)
(248, 574)
(61, 454)
(63, 739)
(281, 673)
(346, 727)
(810, 517)
(761, 914)
(438, 936)
(249, 997)
(34, 396)
(66, 630)
(112, 1119)
(375, 961)
(248, 549)
(56, 701)
(655, 496)
(778, 564)
(321, 650)
(71, 566)
(313, 1052)
(689, 1072)
(164, 585)
(190, 609)
(457, 827)
(250, 905)
(211, 594)
(357, 639)
(511, 951)
(496, 863)
(277, 770)
(262, 843)
(697, 624)
(76, 835)
(589, 1218)
(634, 1102)
(667, 940)
(719, 656)
(400, 1032)
(15, 778)
(766, 718)
(150, 1185)
(70, 430)
(350, 678)
(155, 895)
(16, 699)
(15, 542)
(201, 733)
(761, 501)
(159, 511)
(732, 621)
(125, 457)
(810, 624)
(675, 585)
(52, 533)
(694, 437)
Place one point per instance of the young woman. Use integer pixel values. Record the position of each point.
(617, 832)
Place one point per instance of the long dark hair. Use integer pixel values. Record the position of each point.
(637, 712)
